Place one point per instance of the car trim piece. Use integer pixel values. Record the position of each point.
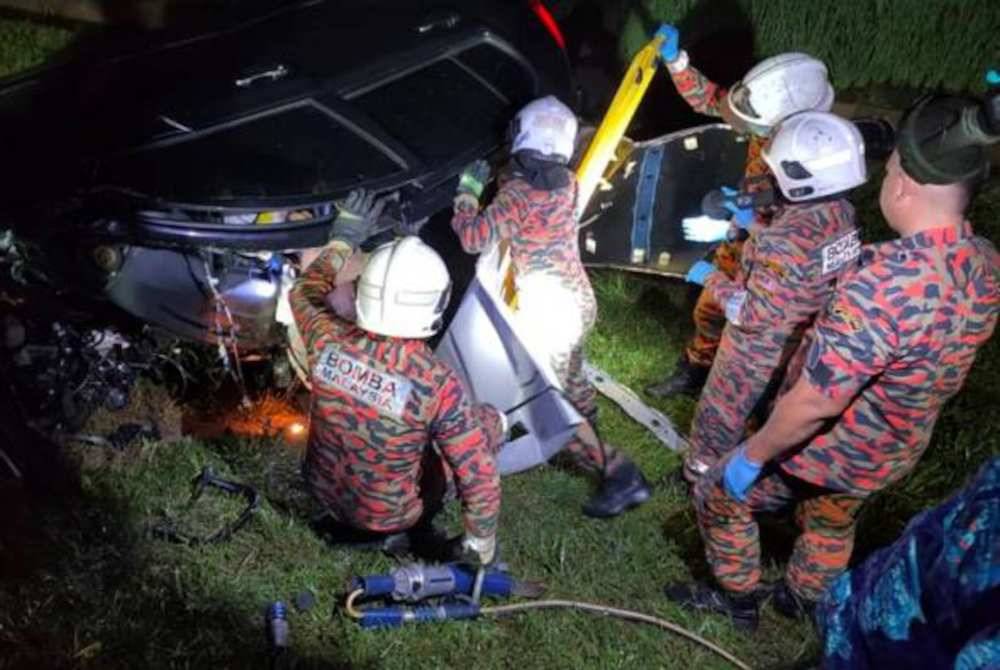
(653, 420)
(645, 202)
(175, 124)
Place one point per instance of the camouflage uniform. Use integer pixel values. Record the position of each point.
(556, 304)
(899, 338)
(378, 404)
(789, 271)
(706, 97)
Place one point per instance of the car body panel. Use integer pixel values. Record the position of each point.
(482, 345)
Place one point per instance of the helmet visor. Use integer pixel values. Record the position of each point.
(739, 98)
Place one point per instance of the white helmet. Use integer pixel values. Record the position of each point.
(814, 154)
(778, 87)
(403, 290)
(547, 127)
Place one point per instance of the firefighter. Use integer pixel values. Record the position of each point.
(772, 90)
(789, 272)
(533, 211)
(894, 345)
(390, 424)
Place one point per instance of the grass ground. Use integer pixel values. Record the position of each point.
(24, 45)
(85, 584)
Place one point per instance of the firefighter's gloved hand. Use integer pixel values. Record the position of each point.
(479, 551)
(742, 216)
(473, 178)
(670, 48)
(700, 272)
(705, 229)
(740, 474)
(357, 216)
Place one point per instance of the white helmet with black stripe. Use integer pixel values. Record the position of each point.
(816, 154)
(403, 290)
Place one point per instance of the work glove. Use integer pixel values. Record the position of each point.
(740, 474)
(700, 272)
(473, 178)
(742, 216)
(670, 48)
(357, 216)
(479, 552)
(705, 229)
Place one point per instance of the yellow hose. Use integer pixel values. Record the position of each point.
(629, 615)
(500, 610)
(352, 611)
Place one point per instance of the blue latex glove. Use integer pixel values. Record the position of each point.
(993, 77)
(740, 474)
(699, 272)
(742, 216)
(671, 42)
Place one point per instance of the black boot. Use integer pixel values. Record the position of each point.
(624, 489)
(687, 378)
(741, 609)
(792, 605)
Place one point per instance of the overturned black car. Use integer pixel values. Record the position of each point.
(145, 171)
(163, 187)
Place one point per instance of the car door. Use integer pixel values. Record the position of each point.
(482, 344)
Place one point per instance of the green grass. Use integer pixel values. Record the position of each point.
(864, 42)
(25, 45)
(84, 584)
(88, 586)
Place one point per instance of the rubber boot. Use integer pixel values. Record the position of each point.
(742, 609)
(790, 604)
(687, 379)
(623, 489)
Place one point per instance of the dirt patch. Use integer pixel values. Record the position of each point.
(271, 416)
(150, 407)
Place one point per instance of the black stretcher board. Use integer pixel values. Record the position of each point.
(633, 221)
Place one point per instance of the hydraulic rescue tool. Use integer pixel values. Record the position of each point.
(458, 587)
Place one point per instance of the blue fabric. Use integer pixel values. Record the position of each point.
(929, 600)
(699, 272)
(742, 216)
